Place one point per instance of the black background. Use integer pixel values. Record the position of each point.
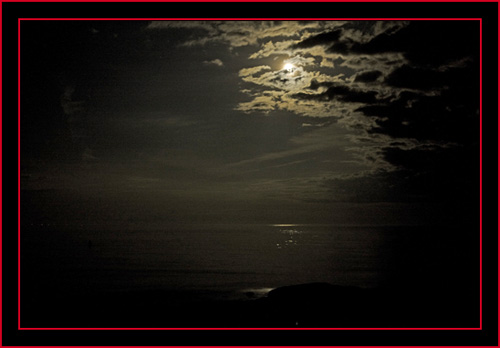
(489, 14)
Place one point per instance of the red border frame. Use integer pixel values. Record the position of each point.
(239, 19)
(1, 176)
(254, 1)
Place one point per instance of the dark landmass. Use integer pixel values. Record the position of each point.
(315, 305)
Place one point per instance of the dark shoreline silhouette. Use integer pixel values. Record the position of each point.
(313, 305)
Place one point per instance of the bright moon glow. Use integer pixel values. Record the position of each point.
(288, 67)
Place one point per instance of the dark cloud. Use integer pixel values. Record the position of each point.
(431, 94)
(341, 93)
(343, 47)
(424, 43)
(427, 79)
(417, 78)
(424, 118)
(446, 114)
(368, 76)
(315, 84)
(426, 174)
(320, 39)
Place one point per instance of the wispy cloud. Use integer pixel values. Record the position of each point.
(216, 62)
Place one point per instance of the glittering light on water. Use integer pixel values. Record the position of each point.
(290, 235)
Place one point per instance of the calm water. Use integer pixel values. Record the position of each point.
(230, 261)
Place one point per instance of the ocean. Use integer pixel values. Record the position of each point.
(239, 262)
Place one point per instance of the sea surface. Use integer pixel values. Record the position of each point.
(214, 262)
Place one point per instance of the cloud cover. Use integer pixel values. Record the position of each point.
(371, 111)
(407, 89)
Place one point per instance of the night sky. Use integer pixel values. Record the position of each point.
(151, 123)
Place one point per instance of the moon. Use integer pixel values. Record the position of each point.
(289, 67)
